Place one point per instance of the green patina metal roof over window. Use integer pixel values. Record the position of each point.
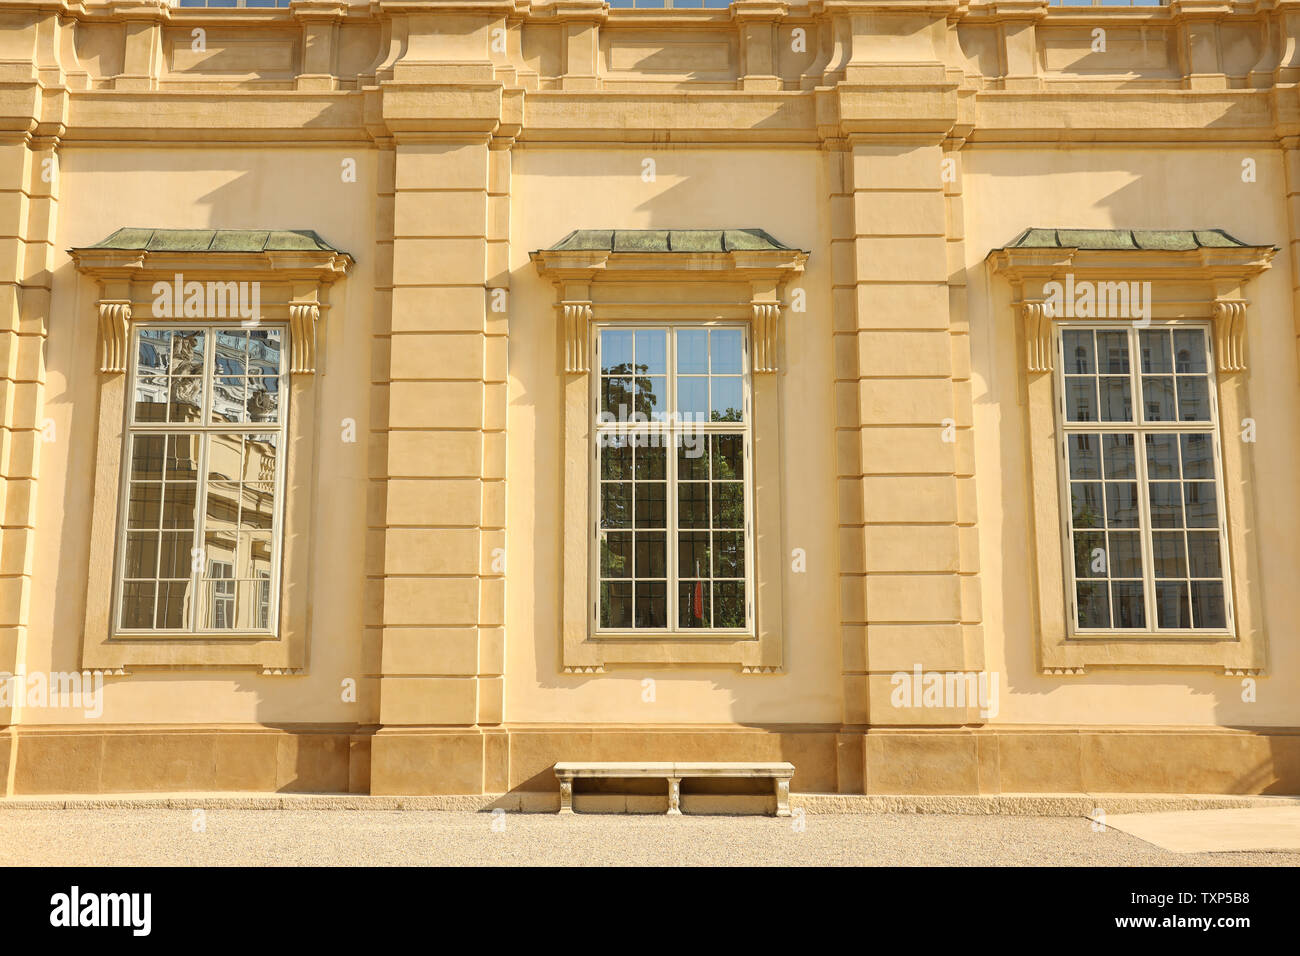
(216, 240)
(1163, 240)
(667, 240)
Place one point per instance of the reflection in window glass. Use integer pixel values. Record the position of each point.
(1145, 527)
(673, 541)
(199, 546)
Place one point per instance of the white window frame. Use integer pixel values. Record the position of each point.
(1140, 428)
(745, 427)
(131, 428)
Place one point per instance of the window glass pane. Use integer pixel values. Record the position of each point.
(1128, 604)
(729, 604)
(1158, 398)
(651, 555)
(1166, 504)
(693, 556)
(651, 607)
(1198, 455)
(651, 504)
(1162, 456)
(173, 605)
(726, 348)
(693, 351)
(1156, 355)
(693, 504)
(616, 352)
(1090, 554)
(1077, 347)
(1202, 508)
(1193, 398)
(693, 398)
(692, 456)
(1081, 399)
(616, 604)
(1189, 352)
(615, 457)
(1169, 554)
(138, 604)
(1112, 353)
(651, 397)
(1118, 453)
(1116, 398)
(694, 604)
(1208, 609)
(615, 554)
(1172, 606)
(1085, 456)
(615, 504)
(1093, 601)
(1125, 554)
(1087, 509)
(616, 398)
(1203, 554)
(651, 352)
(1121, 504)
(728, 404)
(728, 457)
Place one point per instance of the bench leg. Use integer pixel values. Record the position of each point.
(782, 797)
(566, 796)
(674, 797)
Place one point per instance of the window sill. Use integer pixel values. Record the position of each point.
(1179, 636)
(690, 635)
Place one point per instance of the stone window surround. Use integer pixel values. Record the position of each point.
(293, 292)
(1199, 285)
(608, 287)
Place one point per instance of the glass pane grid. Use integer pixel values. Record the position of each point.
(1159, 551)
(679, 380)
(199, 543)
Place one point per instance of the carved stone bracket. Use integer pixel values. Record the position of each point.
(577, 325)
(767, 317)
(1230, 335)
(1038, 337)
(114, 320)
(303, 317)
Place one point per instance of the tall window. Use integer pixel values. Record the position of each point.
(199, 545)
(1147, 537)
(672, 479)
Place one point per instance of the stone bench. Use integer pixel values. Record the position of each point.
(779, 772)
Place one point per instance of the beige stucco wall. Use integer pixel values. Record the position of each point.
(104, 189)
(554, 191)
(1007, 190)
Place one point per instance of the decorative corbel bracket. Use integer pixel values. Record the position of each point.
(577, 326)
(1037, 320)
(114, 321)
(1230, 335)
(303, 317)
(767, 318)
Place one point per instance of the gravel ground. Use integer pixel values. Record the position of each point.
(447, 838)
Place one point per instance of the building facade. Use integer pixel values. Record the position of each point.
(399, 397)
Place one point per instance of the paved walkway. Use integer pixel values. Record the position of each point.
(226, 837)
(1205, 831)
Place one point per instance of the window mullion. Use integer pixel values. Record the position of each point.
(1143, 488)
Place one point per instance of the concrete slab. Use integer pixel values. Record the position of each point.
(1215, 831)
